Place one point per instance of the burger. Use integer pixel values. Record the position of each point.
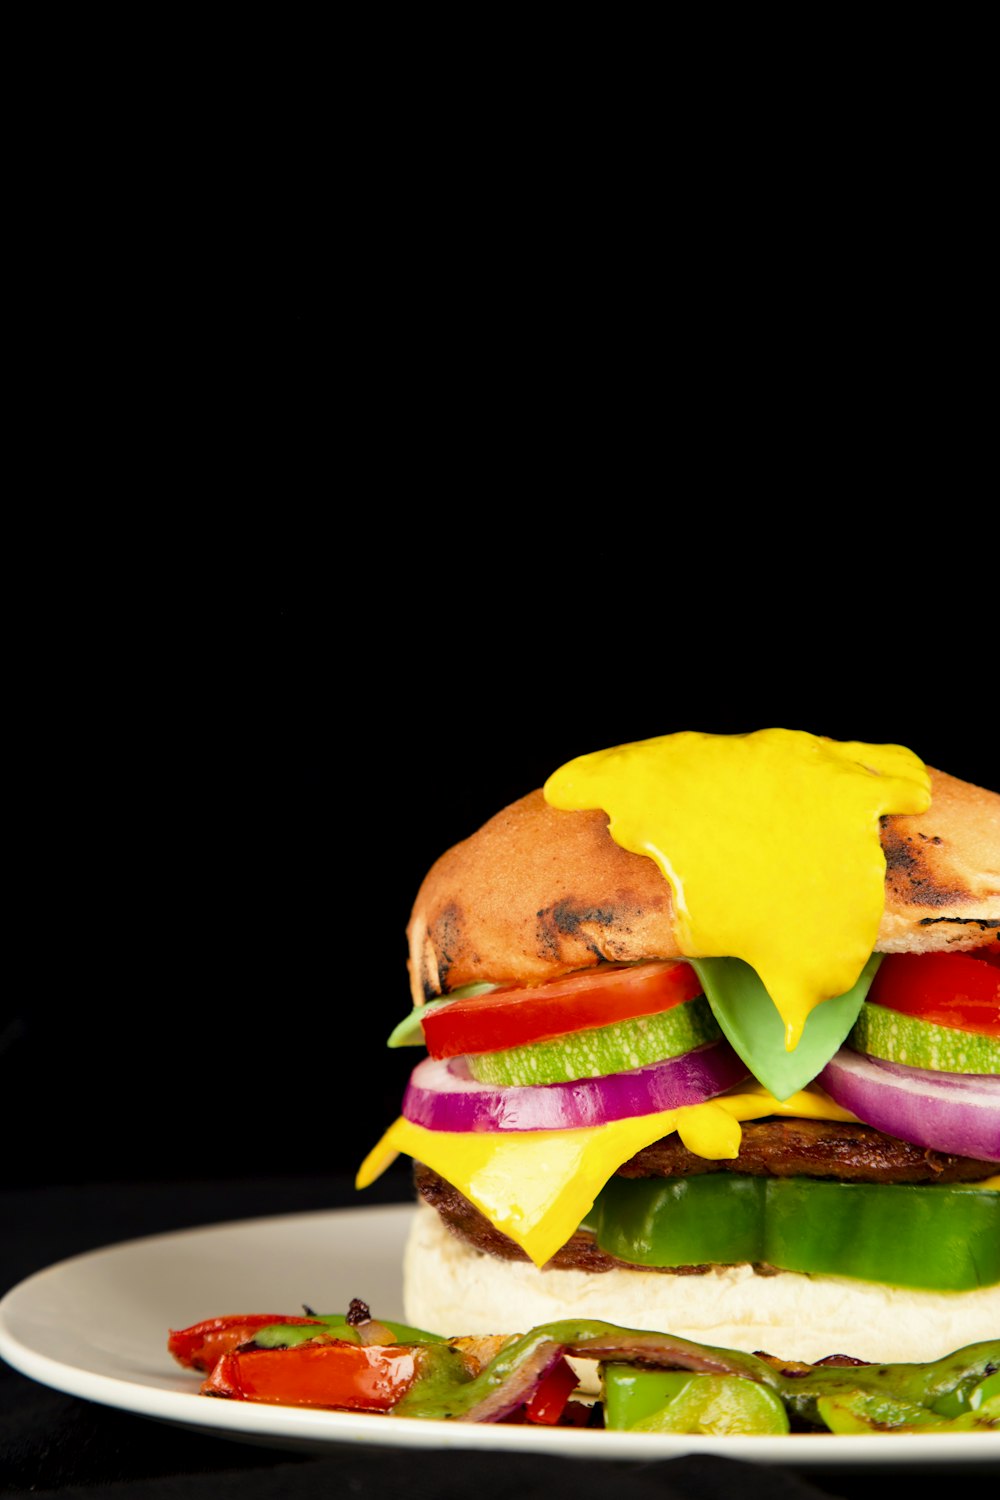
(710, 1031)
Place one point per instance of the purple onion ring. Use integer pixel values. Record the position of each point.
(954, 1112)
(441, 1095)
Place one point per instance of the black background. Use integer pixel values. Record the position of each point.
(355, 497)
(391, 599)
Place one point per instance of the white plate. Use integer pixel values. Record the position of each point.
(96, 1327)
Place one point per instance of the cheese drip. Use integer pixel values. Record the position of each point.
(770, 843)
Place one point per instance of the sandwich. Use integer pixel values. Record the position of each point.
(711, 1047)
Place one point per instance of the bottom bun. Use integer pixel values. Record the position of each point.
(452, 1289)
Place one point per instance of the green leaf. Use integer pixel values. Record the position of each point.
(410, 1031)
(749, 1019)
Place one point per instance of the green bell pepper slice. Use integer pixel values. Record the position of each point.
(684, 1401)
(720, 1405)
(937, 1237)
(891, 1398)
(630, 1395)
(859, 1412)
(965, 1398)
(717, 1219)
(290, 1335)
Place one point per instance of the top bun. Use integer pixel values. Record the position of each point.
(537, 892)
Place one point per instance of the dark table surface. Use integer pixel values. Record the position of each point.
(58, 1445)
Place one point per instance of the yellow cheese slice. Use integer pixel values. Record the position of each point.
(536, 1186)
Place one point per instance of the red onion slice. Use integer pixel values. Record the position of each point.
(518, 1387)
(956, 1112)
(442, 1096)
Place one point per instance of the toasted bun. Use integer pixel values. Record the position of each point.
(452, 1289)
(537, 892)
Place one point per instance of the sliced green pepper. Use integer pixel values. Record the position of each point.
(638, 1400)
(939, 1237)
(717, 1219)
(858, 1412)
(630, 1394)
(965, 1398)
(289, 1335)
(720, 1405)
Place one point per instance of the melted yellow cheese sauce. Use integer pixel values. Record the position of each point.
(770, 843)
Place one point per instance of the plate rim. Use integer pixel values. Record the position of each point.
(320, 1431)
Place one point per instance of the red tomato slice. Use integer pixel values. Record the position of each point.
(960, 990)
(201, 1346)
(335, 1374)
(514, 1017)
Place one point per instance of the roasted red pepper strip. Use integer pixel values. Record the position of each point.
(554, 1390)
(347, 1377)
(201, 1346)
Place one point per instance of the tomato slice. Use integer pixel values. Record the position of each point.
(596, 997)
(332, 1373)
(201, 1346)
(960, 990)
